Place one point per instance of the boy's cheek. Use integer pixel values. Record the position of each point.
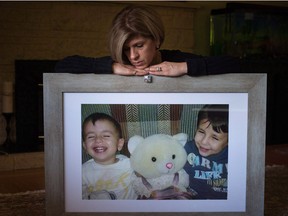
(197, 139)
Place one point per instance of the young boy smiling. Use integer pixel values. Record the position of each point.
(107, 175)
(207, 161)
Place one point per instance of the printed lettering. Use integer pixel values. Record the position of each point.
(193, 159)
(220, 182)
(217, 167)
(205, 163)
(207, 174)
(110, 184)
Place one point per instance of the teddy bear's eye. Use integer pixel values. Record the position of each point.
(173, 156)
(153, 159)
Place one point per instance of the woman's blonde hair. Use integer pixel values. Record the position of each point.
(131, 21)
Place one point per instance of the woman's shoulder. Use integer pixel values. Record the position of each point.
(76, 58)
(74, 63)
(81, 64)
(177, 55)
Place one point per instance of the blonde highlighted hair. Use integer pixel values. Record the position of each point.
(134, 20)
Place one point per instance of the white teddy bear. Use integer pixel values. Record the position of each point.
(158, 162)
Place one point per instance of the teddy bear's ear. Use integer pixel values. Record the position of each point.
(181, 137)
(133, 142)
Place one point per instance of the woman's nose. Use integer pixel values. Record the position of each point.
(133, 54)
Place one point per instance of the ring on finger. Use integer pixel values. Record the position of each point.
(159, 69)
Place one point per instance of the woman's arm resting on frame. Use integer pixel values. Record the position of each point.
(199, 66)
(102, 65)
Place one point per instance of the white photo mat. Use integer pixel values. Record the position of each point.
(238, 114)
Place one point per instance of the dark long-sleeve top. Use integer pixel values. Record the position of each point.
(197, 65)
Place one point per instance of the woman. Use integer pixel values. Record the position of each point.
(136, 35)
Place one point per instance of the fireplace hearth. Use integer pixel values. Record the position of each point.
(29, 104)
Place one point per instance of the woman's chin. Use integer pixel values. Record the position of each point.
(141, 67)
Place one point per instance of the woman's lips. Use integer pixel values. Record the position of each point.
(138, 64)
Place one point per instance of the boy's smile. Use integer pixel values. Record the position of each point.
(100, 149)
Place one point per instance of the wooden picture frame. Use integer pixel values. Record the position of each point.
(56, 86)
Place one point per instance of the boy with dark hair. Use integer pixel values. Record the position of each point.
(107, 175)
(207, 161)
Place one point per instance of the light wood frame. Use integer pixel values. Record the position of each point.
(55, 85)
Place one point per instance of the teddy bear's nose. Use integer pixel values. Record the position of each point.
(169, 165)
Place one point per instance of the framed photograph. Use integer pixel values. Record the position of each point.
(164, 105)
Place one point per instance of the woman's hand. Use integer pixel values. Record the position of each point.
(128, 70)
(171, 69)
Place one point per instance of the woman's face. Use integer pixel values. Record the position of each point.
(141, 52)
(208, 141)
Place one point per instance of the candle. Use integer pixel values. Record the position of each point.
(7, 103)
(7, 88)
(7, 97)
